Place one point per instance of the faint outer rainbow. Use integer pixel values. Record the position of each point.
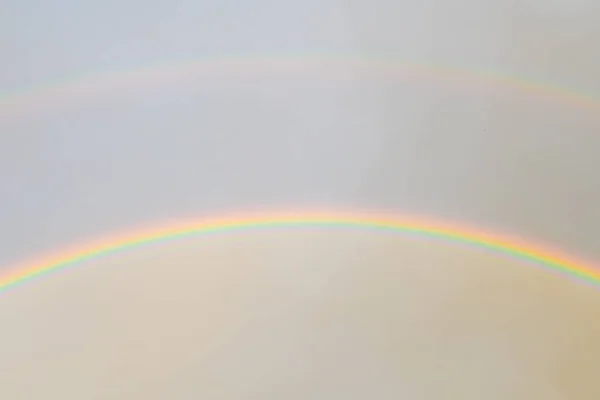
(223, 68)
(410, 226)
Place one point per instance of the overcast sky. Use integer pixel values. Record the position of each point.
(245, 105)
(77, 165)
(469, 151)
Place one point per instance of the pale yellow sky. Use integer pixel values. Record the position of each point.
(301, 314)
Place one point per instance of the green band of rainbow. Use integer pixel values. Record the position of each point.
(418, 227)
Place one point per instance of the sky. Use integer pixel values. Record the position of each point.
(475, 151)
(120, 114)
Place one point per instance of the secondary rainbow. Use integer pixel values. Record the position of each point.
(93, 84)
(413, 227)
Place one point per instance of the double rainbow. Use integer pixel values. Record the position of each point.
(27, 100)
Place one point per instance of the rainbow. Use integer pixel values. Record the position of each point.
(93, 84)
(413, 227)
(90, 85)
